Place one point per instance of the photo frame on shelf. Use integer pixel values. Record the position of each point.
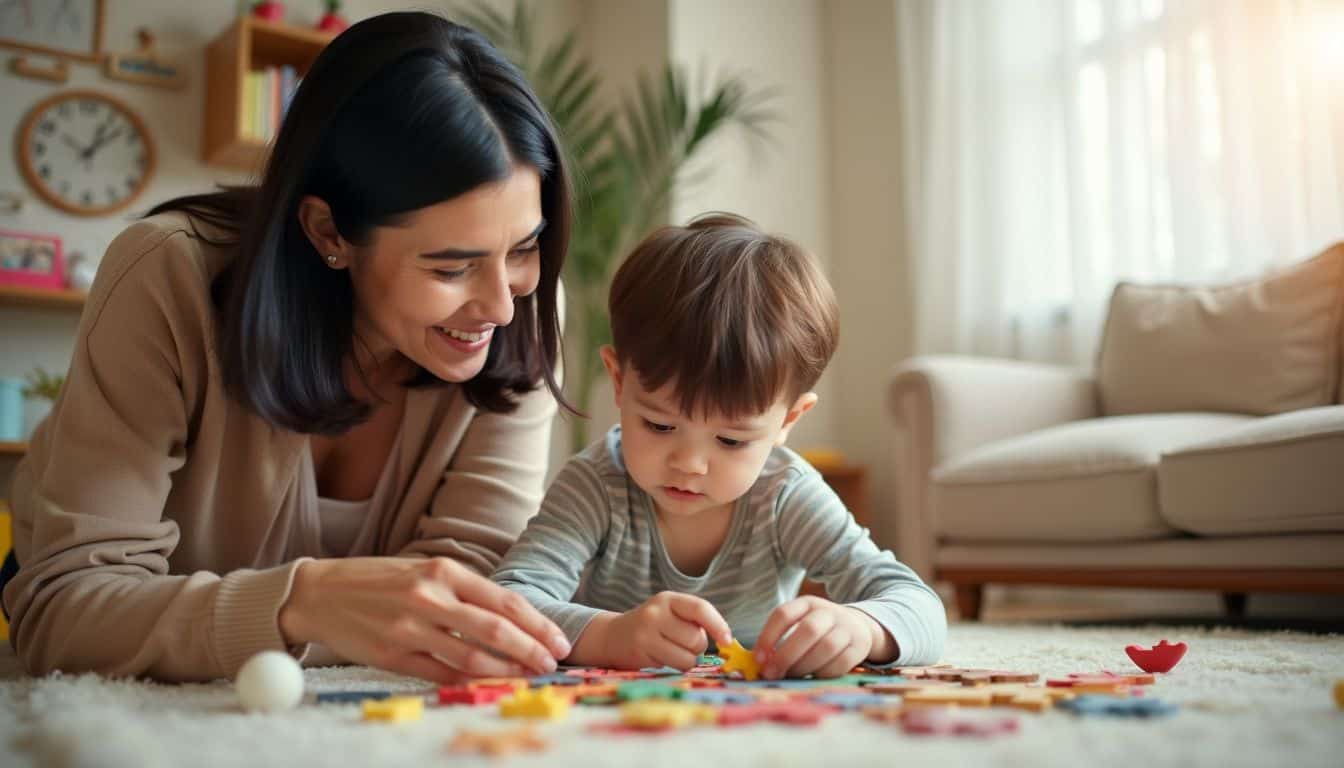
(72, 29)
(31, 260)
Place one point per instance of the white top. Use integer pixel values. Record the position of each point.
(341, 523)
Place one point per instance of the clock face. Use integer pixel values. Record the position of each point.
(85, 153)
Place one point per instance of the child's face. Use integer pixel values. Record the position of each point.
(692, 465)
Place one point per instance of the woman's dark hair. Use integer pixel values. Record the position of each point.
(399, 112)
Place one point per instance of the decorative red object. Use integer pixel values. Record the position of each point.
(1160, 658)
(269, 10)
(31, 260)
(332, 21)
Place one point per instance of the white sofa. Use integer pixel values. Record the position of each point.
(1206, 451)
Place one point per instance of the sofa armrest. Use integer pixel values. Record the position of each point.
(945, 406)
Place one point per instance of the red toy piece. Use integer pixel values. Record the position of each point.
(332, 21)
(269, 10)
(1160, 658)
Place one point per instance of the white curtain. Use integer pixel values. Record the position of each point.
(1054, 147)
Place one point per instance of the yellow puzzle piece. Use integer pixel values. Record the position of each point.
(542, 703)
(397, 709)
(739, 659)
(662, 713)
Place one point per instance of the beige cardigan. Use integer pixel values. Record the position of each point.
(155, 517)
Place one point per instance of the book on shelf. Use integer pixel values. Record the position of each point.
(267, 94)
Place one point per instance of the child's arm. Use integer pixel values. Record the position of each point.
(546, 562)
(879, 603)
(545, 566)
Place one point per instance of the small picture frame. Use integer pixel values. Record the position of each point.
(71, 29)
(31, 260)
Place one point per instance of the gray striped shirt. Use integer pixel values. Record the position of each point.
(595, 547)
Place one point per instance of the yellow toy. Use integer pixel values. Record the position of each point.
(542, 703)
(1339, 694)
(739, 659)
(397, 709)
(664, 713)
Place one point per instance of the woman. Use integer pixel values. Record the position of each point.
(311, 414)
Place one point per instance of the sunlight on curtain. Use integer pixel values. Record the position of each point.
(1055, 147)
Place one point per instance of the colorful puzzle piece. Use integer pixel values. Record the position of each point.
(351, 697)
(544, 703)
(498, 743)
(959, 695)
(507, 683)
(717, 697)
(396, 709)
(1109, 705)
(1160, 658)
(1339, 694)
(790, 713)
(708, 660)
(662, 713)
(739, 659)
(931, 722)
(645, 689)
(850, 701)
(461, 694)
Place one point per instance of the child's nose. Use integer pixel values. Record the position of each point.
(689, 461)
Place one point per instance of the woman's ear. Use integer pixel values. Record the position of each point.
(320, 229)
(613, 366)
(805, 402)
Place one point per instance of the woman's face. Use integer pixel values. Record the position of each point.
(435, 288)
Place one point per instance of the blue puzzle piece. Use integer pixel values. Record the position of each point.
(708, 660)
(1144, 706)
(789, 684)
(717, 697)
(351, 697)
(555, 678)
(850, 701)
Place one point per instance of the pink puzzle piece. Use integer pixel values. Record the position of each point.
(929, 722)
(1160, 658)
(790, 713)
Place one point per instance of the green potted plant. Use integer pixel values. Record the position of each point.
(626, 161)
(43, 388)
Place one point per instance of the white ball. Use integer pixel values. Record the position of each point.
(271, 681)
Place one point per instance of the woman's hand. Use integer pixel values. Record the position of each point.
(434, 619)
(827, 639)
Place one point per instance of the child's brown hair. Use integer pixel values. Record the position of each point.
(735, 318)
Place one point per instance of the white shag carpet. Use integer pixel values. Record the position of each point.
(1247, 699)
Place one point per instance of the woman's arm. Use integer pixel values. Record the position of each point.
(93, 591)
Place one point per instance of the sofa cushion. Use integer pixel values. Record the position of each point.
(1279, 474)
(1092, 480)
(1261, 347)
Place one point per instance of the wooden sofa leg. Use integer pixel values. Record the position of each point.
(1234, 605)
(969, 601)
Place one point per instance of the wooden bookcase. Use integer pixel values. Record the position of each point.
(249, 44)
(38, 298)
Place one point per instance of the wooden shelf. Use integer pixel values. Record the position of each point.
(249, 44)
(41, 298)
(13, 449)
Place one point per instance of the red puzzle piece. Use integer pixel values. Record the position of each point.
(934, 723)
(791, 712)
(1160, 658)
(460, 694)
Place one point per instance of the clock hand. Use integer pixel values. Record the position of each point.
(70, 140)
(100, 143)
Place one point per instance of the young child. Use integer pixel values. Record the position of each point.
(690, 520)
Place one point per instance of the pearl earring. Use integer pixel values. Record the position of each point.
(331, 259)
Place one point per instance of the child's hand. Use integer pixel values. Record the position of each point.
(669, 629)
(828, 640)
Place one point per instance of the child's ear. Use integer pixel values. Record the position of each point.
(613, 365)
(803, 404)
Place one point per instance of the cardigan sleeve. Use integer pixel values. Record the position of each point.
(93, 591)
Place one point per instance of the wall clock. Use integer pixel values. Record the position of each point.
(85, 153)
